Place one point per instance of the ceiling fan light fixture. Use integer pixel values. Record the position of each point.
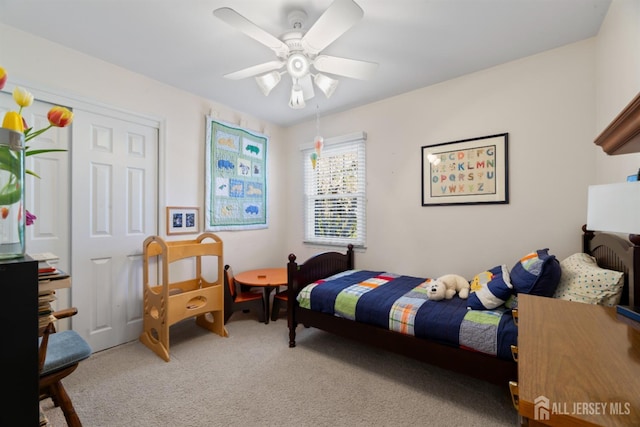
(297, 97)
(268, 81)
(297, 65)
(326, 84)
(299, 49)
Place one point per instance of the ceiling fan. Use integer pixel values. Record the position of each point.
(299, 53)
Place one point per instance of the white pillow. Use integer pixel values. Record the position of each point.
(583, 281)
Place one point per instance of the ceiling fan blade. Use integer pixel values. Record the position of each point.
(255, 70)
(353, 68)
(241, 23)
(335, 21)
(307, 87)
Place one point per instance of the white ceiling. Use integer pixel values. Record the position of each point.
(416, 43)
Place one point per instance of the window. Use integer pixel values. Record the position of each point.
(334, 192)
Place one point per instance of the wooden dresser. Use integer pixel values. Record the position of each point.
(578, 364)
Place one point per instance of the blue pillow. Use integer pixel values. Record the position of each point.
(537, 273)
(491, 293)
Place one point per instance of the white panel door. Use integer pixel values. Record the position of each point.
(114, 192)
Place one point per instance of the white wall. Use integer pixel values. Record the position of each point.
(617, 81)
(50, 67)
(552, 105)
(545, 102)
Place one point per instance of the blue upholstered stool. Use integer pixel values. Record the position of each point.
(62, 351)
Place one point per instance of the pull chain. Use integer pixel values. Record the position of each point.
(318, 141)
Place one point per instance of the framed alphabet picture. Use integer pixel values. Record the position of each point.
(182, 220)
(469, 171)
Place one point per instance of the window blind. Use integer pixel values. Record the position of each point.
(335, 192)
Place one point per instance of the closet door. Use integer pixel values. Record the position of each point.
(115, 207)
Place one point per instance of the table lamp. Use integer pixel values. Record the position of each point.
(614, 208)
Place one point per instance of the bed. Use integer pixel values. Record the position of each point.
(336, 272)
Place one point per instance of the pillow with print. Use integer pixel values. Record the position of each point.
(490, 289)
(583, 280)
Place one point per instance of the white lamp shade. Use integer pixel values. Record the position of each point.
(614, 208)
(297, 97)
(326, 84)
(268, 81)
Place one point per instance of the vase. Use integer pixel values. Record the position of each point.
(12, 214)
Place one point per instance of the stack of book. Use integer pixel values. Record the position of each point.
(45, 310)
(50, 278)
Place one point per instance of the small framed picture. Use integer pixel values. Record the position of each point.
(182, 220)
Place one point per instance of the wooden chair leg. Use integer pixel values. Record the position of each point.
(54, 399)
(60, 397)
(262, 313)
(275, 309)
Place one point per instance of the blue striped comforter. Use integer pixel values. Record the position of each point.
(400, 303)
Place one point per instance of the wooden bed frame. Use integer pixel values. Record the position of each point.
(611, 251)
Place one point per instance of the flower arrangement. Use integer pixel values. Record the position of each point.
(13, 120)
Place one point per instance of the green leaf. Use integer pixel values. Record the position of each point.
(50, 150)
(32, 173)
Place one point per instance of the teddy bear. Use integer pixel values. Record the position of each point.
(445, 287)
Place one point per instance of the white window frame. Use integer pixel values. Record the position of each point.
(350, 144)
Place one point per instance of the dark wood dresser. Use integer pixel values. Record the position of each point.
(19, 355)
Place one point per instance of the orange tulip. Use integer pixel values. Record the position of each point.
(60, 116)
(3, 77)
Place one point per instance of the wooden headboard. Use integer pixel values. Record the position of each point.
(616, 253)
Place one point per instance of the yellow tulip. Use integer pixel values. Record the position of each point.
(13, 121)
(22, 97)
(58, 117)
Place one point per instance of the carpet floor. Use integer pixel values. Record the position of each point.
(252, 378)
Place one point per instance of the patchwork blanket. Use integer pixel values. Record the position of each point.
(400, 303)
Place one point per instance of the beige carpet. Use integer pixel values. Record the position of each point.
(252, 378)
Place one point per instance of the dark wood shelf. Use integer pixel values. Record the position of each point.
(622, 136)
